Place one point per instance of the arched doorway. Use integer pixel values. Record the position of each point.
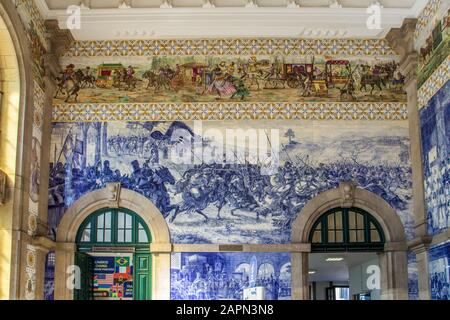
(346, 229)
(113, 253)
(73, 228)
(326, 219)
(344, 246)
(16, 105)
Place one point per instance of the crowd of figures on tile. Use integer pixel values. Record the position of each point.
(213, 276)
(413, 277)
(435, 128)
(218, 193)
(439, 266)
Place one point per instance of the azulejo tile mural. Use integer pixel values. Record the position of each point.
(435, 128)
(229, 78)
(413, 277)
(226, 276)
(249, 195)
(439, 268)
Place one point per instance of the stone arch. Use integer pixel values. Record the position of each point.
(113, 196)
(393, 260)
(16, 83)
(348, 195)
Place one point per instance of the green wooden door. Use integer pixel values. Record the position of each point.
(142, 276)
(86, 265)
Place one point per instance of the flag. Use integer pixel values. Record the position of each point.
(122, 261)
(68, 146)
(105, 279)
(79, 144)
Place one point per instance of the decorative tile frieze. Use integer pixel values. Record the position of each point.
(231, 46)
(228, 111)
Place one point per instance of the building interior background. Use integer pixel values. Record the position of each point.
(109, 110)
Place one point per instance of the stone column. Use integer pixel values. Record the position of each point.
(421, 251)
(161, 253)
(299, 273)
(64, 258)
(59, 41)
(394, 279)
(402, 41)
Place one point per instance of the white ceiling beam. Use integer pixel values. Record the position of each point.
(209, 21)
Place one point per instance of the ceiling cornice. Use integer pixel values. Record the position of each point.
(305, 22)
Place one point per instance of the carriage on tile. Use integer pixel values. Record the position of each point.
(106, 73)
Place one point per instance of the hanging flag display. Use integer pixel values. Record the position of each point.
(113, 277)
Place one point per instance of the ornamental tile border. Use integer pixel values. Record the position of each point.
(425, 17)
(229, 111)
(231, 46)
(435, 82)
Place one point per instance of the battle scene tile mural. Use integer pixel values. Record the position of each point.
(435, 128)
(213, 186)
(229, 276)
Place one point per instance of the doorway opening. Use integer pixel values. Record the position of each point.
(344, 260)
(113, 254)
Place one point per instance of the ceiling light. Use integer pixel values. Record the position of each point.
(334, 259)
(311, 271)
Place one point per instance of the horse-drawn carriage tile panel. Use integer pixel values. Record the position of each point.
(224, 201)
(435, 50)
(230, 78)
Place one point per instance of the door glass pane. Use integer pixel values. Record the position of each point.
(374, 236)
(339, 236)
(100, 235)
(359, 221)
(351, 218)
(317, 237)
(128, 221)
(360, 235)
(142, 235)
(128, 235)
(108, 220)
(86, 235)
(338, 218)
(352, 235)
(331, 221)
(331, 236)
(120, 219)
(120, 236)
(100, 221)
(108, 235)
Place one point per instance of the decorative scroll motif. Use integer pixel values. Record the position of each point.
(231, 46)
(228, 111)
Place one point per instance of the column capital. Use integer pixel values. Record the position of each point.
(401, 39)
(43, 244)
(60, 39)
(395, 246)
(420, 244)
